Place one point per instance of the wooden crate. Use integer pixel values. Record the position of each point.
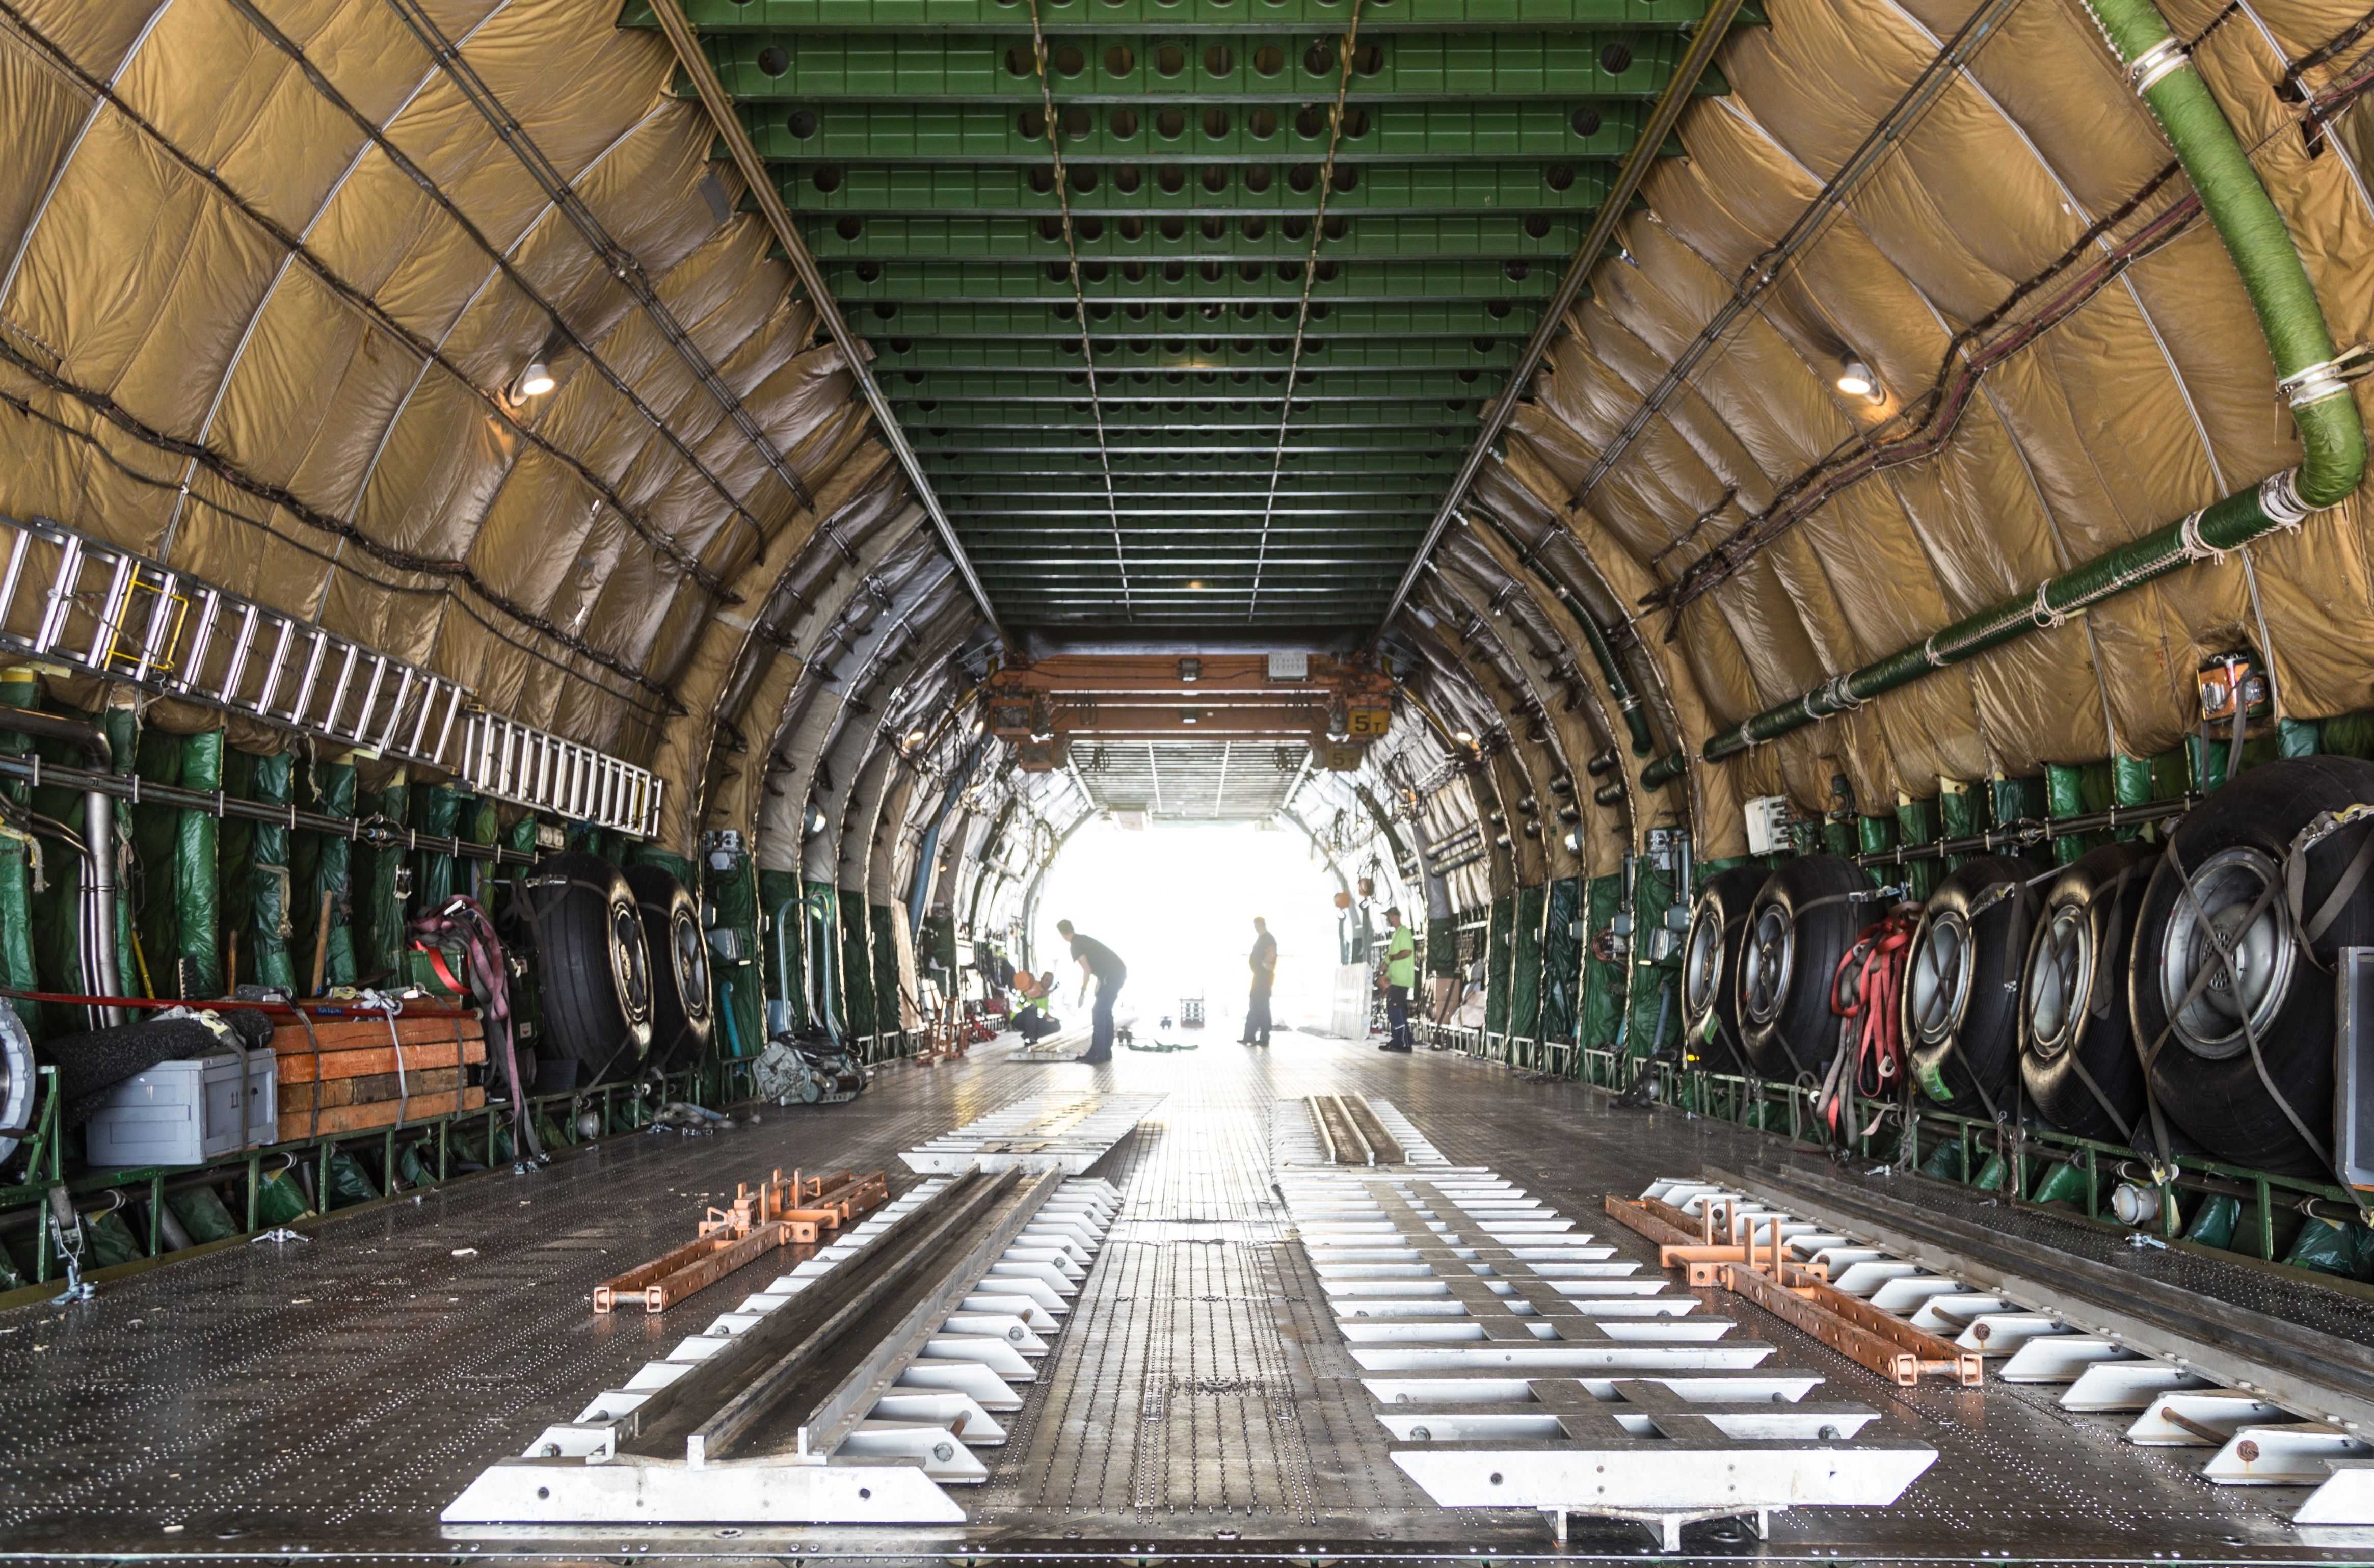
(296, 1127)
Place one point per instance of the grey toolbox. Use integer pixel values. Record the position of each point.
(188, 1112)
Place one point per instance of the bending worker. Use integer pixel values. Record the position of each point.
(1263, 959)
(1401, 974)
(1033, 1019)
(1105, 965)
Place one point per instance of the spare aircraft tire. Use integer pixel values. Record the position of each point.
(18, 1074)
(2235, 846)
(1961, 1007)
(2072, 994)
(1806, 915)
(682, 1016)
(1710, 966)
(595, 968)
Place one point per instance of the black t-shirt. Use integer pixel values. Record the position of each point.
(1103, 962)
(1265, 956)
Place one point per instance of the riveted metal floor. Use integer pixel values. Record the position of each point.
(330, 1396)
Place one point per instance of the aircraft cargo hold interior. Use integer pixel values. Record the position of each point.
(1319, 782)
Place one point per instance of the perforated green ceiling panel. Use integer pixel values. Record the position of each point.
(1303, 274)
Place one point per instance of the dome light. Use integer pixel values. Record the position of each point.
(1462, 737)
(914, 738)
(1856, 380)
(533, 381)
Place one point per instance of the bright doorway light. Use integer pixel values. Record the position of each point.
(1177, 903)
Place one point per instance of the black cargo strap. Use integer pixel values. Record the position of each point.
(2094, 1009)
(2313, 927)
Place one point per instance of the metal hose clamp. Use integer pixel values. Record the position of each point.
(2327, 378)
(2195, 547)
(1841, 699)
(2147, 70)
(2279, 497)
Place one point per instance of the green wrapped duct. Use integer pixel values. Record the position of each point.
(733, 895)
(2328, 1246)
(1442, 946)
(888, 982)
(2061, 1183)
(202, 1215)
(857, 965)
(1603, 982)
(157, 759)
(439, 812)
(280, 1198)
(346, 1180)
(380, 938)
(1498, 963)
(235, 849)
(2213, 1223)
(20, 687)
(269, 901)
(1664, 769)
(1944, 1161)
(1525, 965)
(111, 1240)
(1561, 959)
(123, 727)
(1647, 990)
(1916, 824)
(324, 874)
(197, 874)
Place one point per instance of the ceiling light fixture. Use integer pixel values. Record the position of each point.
(915, 737)
(1856, 380)
(533, 381)
(1462, 737)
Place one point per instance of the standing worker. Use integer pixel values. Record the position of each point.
(1101, 962)
(1401, 975)
(1263, 959)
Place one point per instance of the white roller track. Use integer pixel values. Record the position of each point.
(2249, 1439)
(893, 1463)
(1524, 1366)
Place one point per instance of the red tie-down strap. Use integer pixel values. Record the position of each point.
(1867, 992)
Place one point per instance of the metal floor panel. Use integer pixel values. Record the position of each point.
(336, 1394)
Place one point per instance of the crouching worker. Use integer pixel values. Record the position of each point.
(1033, 1019)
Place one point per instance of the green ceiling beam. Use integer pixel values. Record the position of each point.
(1350, 441)
(815, 69)
(1597, 130)
(1177, 191)
(1129, 417)
(1256, 237)
(1152, 459)
(1269, 350)
(1321, 16)
(1190, 486)
(964, 318)
(855, 281)
(1315, 386)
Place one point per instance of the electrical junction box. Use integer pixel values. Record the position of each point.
(1289, 666)
(1768, 821)
(187, 1113)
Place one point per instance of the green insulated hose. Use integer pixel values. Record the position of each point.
(2332, 436)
